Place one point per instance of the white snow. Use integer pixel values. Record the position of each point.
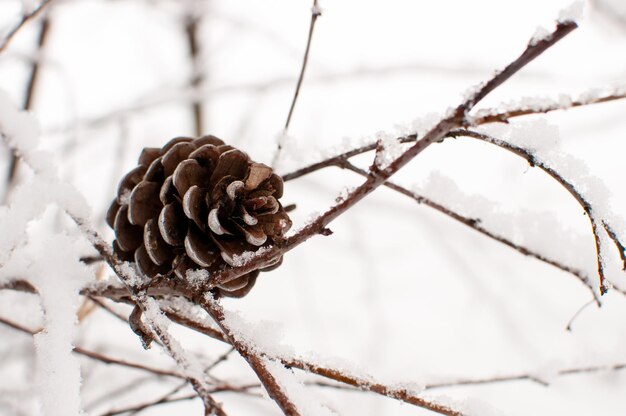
(197, 277)
(306, 401)
(572, 13)
(561, 102)
(58, 276)
(316, 9)
(187, 363)
(540, 34)
(247, 256)
(537, 135)
(49, 259)
(51, 262)
(542, 141)
(19, 127)
(391, 149)
(520, 226)
(263, 337)
(422, 125)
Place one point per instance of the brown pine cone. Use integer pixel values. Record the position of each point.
(197, 204)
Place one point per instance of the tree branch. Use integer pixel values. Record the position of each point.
(485, 116)
(401, 394)
(29, 95)
(525, 376)
(255, 361)
(596, 223)
(98, 356)
(315, 13)
(25, 18)
(141, 300)
(474, 223)
(191, 32)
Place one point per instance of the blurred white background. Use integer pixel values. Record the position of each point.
(399, 291)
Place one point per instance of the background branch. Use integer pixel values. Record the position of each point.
(25, 19)
(315, 13)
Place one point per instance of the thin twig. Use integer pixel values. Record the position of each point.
(220, 359)
(168, 399)
(397, 393)
(404, 395)
(484, 116)
(475, 224)
(138, 408)
(577, 314)
(315, 13)
(596, 223)
(377, 177)
(25, 18)
(491, 115)
(526, 376)
(271, 385)
(98, 356)
(192, 25)
(29, 95)
(143, 302)
(131, 410)
(620, 247)
(108, 309)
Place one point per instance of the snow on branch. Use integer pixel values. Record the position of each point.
(588, 191)
(540, 105)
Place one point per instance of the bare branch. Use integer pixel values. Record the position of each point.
(453, 120)
(255, 361)
(25, 18)
(620, 247)
(140, 297)
(98, 356)
(475, 224)
(167, 398)
(315, 13)
(192, 25)
(29, 95)
(401, 394)
(596, 223)
(526, 376)
(485, 116)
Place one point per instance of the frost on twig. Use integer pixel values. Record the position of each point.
(572, 13)
(572, 174)
(53, 267)
(538, 105)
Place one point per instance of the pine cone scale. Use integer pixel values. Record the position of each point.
(188, 173)
(144, 203)
(129, 235)
(173, 228)
(233, 163)
(197, 204)
(157, 248)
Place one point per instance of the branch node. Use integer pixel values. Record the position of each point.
(139, 328)
(326, 231)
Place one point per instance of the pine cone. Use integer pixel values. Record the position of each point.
(197, 204)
